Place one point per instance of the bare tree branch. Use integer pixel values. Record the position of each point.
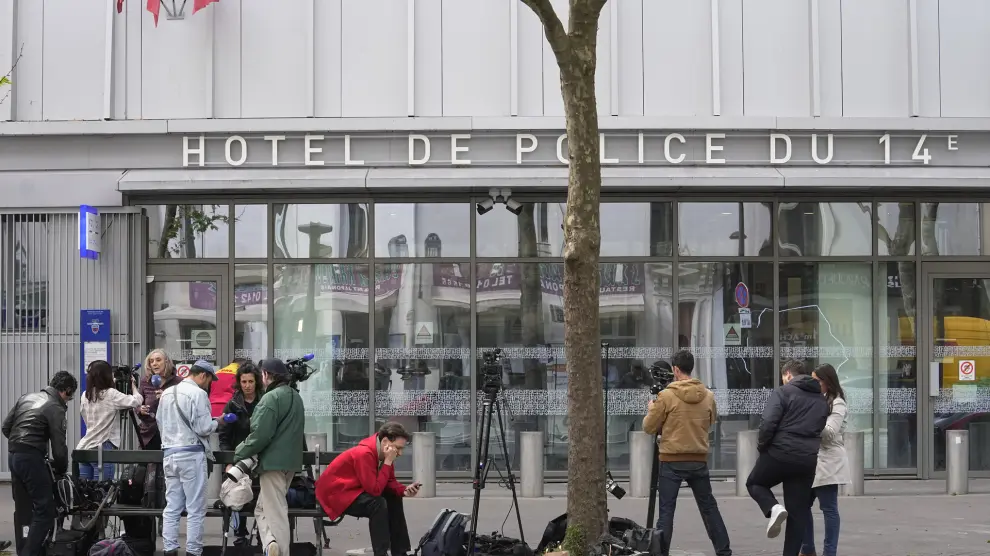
(552, 27)
(5, 80)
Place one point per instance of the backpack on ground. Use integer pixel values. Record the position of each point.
(154, 487)
(131, 486)
(553, 535)
(68, 542)
(446, 536)
(111, 547)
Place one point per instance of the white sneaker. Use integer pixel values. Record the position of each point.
(272, 549)
(777, 517)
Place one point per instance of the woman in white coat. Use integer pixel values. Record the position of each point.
(833, 466)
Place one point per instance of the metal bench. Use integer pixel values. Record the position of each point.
(125, 457)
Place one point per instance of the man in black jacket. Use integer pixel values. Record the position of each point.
(35, 421)
(789, 438)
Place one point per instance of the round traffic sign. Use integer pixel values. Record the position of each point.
(742, 295)
(966, 368)
(182, 371)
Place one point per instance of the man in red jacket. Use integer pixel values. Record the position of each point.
(361, 482)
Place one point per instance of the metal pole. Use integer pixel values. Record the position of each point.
(957, 462)
(424, 446)
(216, 478)
(746, 455)
(855, 442)
(640, 463)
(531, 466)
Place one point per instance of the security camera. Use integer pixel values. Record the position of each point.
(513, 206)
(485, 206)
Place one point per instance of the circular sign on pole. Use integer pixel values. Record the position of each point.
(742, 295)
(182, 371)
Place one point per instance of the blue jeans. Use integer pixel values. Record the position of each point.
(90, 471)
(696, 475)
(828, 501)
(185, 489)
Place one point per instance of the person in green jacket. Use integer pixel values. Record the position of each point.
(277, 440)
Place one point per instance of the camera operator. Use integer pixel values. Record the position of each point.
(100, 407)
(35, 421)
(683, 414)
(276, 439)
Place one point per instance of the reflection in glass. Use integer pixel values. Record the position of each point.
(427, 229)
(954, 228)
(251, 231)
(185, 316)
(810, 229)
(24, 278)
(895, 229)
(250, 305)
(961, 333)
(898, 417)
(323, 309)
(520, 309)
(188, 231)
(627, 229)
(826, 316)
(724, 229)
(732, 345)
(422, 356)
(321, 231)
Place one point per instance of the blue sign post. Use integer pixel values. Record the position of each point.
(90, 234)
(94, 343)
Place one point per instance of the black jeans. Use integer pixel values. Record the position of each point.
(388, 522)
(697, 477)
(797, 480)
(32, 487)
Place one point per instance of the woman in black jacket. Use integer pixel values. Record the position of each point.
(247, 392)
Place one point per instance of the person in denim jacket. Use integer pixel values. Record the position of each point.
(185, 423)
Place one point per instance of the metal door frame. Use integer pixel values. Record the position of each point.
(931, 270)
(198, 272)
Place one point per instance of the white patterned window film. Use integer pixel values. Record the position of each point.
(897, 424)
(323, 309)
(422, 351)
(826, 316)
(519, 310)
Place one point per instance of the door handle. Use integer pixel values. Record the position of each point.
(934, 369)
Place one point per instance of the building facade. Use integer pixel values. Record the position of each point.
(781, 179)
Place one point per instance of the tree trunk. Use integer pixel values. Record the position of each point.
(586, 506)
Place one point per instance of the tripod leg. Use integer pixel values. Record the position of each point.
(481, 471)
(654, 482)
(511, 479)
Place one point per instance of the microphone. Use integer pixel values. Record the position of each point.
(156, 381)
(229, 418)
(308, 357)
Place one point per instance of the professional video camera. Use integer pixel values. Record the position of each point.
(491, 368)
(662, 375)
(299, 371)
(123, 375)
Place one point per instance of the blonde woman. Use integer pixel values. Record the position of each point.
(157, 363)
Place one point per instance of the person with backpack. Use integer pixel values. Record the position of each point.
(277, 440)
(247, 396)
(361, 482)
(100, 406)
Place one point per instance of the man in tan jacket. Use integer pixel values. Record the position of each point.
(682, 415)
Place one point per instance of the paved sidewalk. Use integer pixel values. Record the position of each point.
(898, 518)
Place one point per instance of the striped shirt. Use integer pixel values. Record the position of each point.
(102, 417)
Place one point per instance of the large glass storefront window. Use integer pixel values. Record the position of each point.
(824, 229)
(712, 229)
(898, 377)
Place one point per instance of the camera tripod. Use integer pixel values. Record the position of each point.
(491, 409)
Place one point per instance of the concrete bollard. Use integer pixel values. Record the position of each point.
(640, 463)
(855, 443)
(746, 455)
(957, 462)
(216, 478)
(531, 465)
(424, 445)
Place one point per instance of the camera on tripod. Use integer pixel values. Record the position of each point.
(491, 368)
(123, 375)
(662, 375)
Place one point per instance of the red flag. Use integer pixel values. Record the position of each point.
(154, 6)
(200, 4)
(120, 6)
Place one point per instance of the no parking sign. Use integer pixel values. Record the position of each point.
(182, 371)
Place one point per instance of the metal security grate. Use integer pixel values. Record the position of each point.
(43, 286)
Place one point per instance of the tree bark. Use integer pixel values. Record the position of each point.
(576, 54)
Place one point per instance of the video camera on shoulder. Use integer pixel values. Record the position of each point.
(662, 374)
(299, 369)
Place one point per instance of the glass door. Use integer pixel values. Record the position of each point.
(188, 313)
(958, 352)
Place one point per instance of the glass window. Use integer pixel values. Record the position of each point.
(815, 229)
(422, 356)
(250, 311)
(520, 310)
(954, 228)
(636, 229)
(24, 260)
(185, 319)
(323, 309)
(898, 416)
(321, 231)
(724, 229)
(895, 229)
(422, 230)
(538, 231)
(826, 316)
(251, 231)
(725, 317)
(188, 231)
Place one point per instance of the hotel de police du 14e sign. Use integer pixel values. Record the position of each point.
(550, 149)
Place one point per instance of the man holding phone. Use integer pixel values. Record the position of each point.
(361, 483)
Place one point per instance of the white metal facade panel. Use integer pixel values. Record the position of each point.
(965, 75)
(677, 57)
(374, 58)
(875, 58)
(275, 73)
(777, 30)
(476, 39)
